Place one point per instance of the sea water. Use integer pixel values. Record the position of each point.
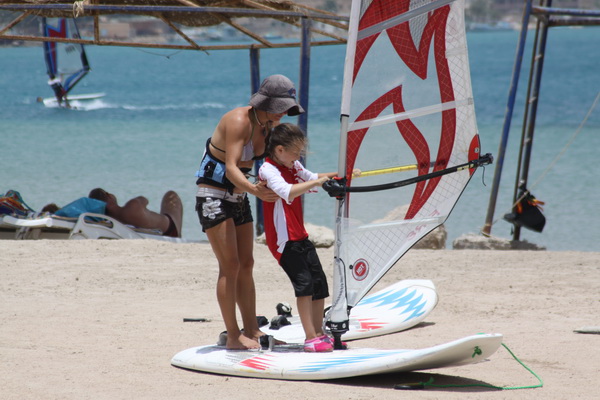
(147, 135)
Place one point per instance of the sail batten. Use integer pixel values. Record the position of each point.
(406, 101)
(419, 112)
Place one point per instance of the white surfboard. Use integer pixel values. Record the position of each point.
(292, 363)
(74, 100)
(396, 308)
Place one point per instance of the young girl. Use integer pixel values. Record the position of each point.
(285, 233)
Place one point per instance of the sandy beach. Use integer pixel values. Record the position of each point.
(102, 319)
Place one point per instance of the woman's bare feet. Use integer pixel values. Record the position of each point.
(241, 343)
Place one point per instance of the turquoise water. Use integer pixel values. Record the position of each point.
(147, 135)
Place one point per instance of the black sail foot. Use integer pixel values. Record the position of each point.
(337, 341)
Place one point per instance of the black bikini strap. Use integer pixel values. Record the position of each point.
(211, 143)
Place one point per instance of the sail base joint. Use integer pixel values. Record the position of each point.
(337, 329)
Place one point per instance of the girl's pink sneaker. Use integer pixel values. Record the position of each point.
(330, 340)
(317, 345)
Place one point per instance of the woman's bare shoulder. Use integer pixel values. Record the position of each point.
(236, 121)
(239, 114)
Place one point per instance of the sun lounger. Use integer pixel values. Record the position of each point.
(87, 226)
(39, 227)
(100, 226)
(7, 231)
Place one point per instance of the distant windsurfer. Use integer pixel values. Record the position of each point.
(223, 206)
(59, 91)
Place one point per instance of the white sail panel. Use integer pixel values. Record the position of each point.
(64, 61)
(407, 103)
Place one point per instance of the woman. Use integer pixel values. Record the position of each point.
(222, 202)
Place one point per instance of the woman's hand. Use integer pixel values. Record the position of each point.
(264, 193)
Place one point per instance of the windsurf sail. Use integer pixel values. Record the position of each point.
(408, 119)
(66, 63)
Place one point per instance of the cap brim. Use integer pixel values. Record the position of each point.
(276, 105)
(295, 110)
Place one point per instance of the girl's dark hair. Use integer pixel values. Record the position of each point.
(285, 135)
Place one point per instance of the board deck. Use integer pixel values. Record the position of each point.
(396, 308)
(292, 363)
(52, 102)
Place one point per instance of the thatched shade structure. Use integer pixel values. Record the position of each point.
(181, 13)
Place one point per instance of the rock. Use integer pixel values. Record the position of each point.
(261, 239)
(472, 241)
(434, 240)
(321, 236)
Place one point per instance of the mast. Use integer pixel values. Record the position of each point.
(339, 308)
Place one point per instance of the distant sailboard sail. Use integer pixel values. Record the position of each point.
(66, 63)
(408, 121)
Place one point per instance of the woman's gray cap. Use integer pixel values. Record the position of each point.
(276, 95)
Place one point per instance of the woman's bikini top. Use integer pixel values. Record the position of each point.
(212, 170)
(247, 151)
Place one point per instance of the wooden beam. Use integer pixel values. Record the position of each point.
(102, 42)
(96, 29)
(325, 21)
(243, 29)
(180, 33)
(15, 22)
(299, 25)
(320, 32)
(188, 3)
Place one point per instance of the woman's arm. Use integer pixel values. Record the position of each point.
(235, 126)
